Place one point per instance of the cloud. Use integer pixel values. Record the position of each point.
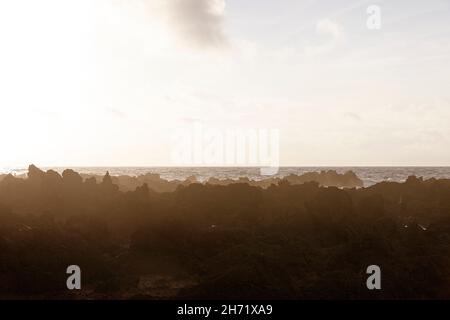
(198, 22)
(329, 29)
(353, 116)
(193, 23)
(115, 112)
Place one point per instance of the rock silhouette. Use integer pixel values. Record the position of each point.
(291, 238)
(328, 178)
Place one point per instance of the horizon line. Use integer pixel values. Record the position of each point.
(224, 166)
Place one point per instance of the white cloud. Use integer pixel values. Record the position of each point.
(333, 33)
(328, 27)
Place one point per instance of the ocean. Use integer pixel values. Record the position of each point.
(369, 175)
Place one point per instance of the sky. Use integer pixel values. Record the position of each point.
(108, 82)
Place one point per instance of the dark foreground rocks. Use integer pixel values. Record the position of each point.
(287, 240)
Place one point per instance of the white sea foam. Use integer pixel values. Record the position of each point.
(370, 175)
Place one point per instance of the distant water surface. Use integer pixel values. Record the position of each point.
(370, 175)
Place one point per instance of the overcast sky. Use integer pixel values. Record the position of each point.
(106, 82)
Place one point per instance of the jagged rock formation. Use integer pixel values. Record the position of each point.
(293, 239)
